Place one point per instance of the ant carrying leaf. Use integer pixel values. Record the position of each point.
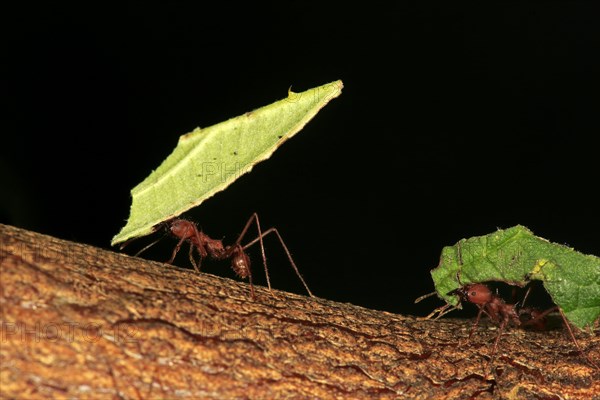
(504, 314)
(516, 257)
(207, 161)
(207, 247)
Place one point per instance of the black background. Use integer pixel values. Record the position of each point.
(455, 119)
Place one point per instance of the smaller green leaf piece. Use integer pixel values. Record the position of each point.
(516, 256)
(208, 160)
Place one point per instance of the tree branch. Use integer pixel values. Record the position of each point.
(78, 321)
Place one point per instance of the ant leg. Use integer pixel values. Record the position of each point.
(251, 285)
(259, 239)
(495, 348)
(191, 254)
(481, 311)
(176, 250)
(562, 314)
(200, 248)
(287, 252)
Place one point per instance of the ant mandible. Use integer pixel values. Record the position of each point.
(187, 231)
(504, 313)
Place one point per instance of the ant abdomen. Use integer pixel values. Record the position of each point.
(240, 263)
(532, 318)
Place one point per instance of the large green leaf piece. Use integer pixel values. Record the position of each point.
(208, 160)
(516, 256)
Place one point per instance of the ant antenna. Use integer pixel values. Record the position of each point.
(156, 228)
(441, 311)
(147, 246)
(421, 298)
(126, 243)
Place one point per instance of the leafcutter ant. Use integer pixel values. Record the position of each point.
(518, 257)
(207, 247)
(505, 314)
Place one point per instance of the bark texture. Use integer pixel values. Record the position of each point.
(83, 322)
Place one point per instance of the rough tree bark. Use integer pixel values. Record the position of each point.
(82, 322)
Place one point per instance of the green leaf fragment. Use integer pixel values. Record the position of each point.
(208, 160)
(516, 256)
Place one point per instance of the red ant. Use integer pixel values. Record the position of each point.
(503, 313)
(187, 231)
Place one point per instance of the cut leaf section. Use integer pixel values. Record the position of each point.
(208, 160)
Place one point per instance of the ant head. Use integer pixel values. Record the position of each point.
(181, 228)
(476, 293)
